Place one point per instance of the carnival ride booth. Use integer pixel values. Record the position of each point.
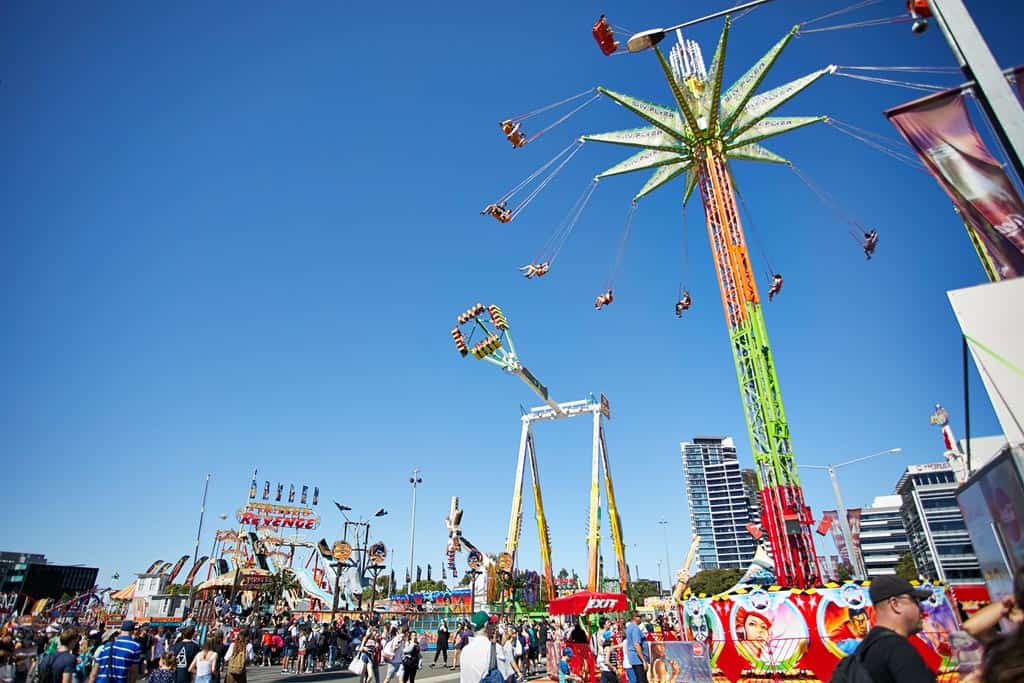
(580, 605)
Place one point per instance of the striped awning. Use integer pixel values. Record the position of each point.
(126, 593)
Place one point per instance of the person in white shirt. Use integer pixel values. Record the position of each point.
(507, 657)
(476, 655)
(392, 655)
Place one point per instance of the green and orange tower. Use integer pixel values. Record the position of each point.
(699, 138)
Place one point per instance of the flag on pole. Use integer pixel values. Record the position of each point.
(266, 489)
(428, 573)
(291, 493)
(316, 494)
(305, 490)
(280, 492)
(252, 486)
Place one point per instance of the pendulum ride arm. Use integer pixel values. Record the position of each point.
(542, 522)
(613, 517)
(786, 514)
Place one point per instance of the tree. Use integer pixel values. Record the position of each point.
(844, 572)
(637, 590)
(906, 567)
(176, 589)
(427, 586)
(383, 584)
(563, 573)
(714, 581)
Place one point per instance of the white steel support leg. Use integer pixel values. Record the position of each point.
(516, 517)
(594, 529)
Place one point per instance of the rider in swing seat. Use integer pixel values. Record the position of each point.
(870, 242)
(683, 304)
(776, 286)
(603, 300)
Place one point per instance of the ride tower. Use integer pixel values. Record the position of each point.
(498, 348)
(699, 138)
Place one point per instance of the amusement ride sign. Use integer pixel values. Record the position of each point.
(278, 516)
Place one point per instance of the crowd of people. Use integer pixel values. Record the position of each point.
(485, 648)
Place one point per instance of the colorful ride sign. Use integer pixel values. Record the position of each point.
(277, 516)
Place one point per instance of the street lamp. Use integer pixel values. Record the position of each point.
(415, 480)
(644, 40)
(855, 558)
(664, 535)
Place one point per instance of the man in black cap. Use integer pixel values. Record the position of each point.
(886, 652)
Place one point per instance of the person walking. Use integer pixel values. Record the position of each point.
(205, 662)
(185, 650)
(442, 643)
(117, 661)
(369, 652)
(391, 655)
(481, 651)
(886, 654)
(237, 658)
(411, 656)
(635, 659)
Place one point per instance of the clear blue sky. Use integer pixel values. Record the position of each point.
(237, 236)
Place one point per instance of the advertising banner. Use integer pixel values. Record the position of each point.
(940, 130)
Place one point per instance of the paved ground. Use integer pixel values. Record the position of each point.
(272, 674)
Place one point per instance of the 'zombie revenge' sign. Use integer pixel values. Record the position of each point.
(277, 516)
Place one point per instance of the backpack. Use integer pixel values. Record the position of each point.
(851, 669)
(42, 672)
(236, 664)
(493, 674)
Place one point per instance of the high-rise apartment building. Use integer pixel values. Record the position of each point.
(877, 532)
(935, 526)
(719, 503)
(753, 493)
(883, 538)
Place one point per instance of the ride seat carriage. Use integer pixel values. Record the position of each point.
(604, 36)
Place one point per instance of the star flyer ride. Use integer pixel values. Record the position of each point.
(492, 348)
(697, 140)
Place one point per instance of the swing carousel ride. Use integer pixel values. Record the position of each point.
(708, 128)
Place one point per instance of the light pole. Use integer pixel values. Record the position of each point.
(855, 557)
(199, 533)
(415, 480)
(664, 535)
(644, 40)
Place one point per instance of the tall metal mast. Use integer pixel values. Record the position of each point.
(698, 138)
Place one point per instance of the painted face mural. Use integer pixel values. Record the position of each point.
(769, 632)
(704, 626)
(845, 616)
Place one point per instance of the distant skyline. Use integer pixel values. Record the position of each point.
(237, 237)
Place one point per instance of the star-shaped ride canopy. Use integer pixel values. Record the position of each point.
(732, 124)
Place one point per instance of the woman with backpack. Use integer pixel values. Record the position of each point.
(237, 658)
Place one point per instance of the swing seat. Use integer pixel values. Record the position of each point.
(919, 8)
(513, 133)
(605, 37)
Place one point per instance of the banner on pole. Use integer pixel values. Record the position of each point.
(939, 129)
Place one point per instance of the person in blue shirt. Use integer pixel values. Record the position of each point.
(635, 641)
(118, 660)
(565, 673)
